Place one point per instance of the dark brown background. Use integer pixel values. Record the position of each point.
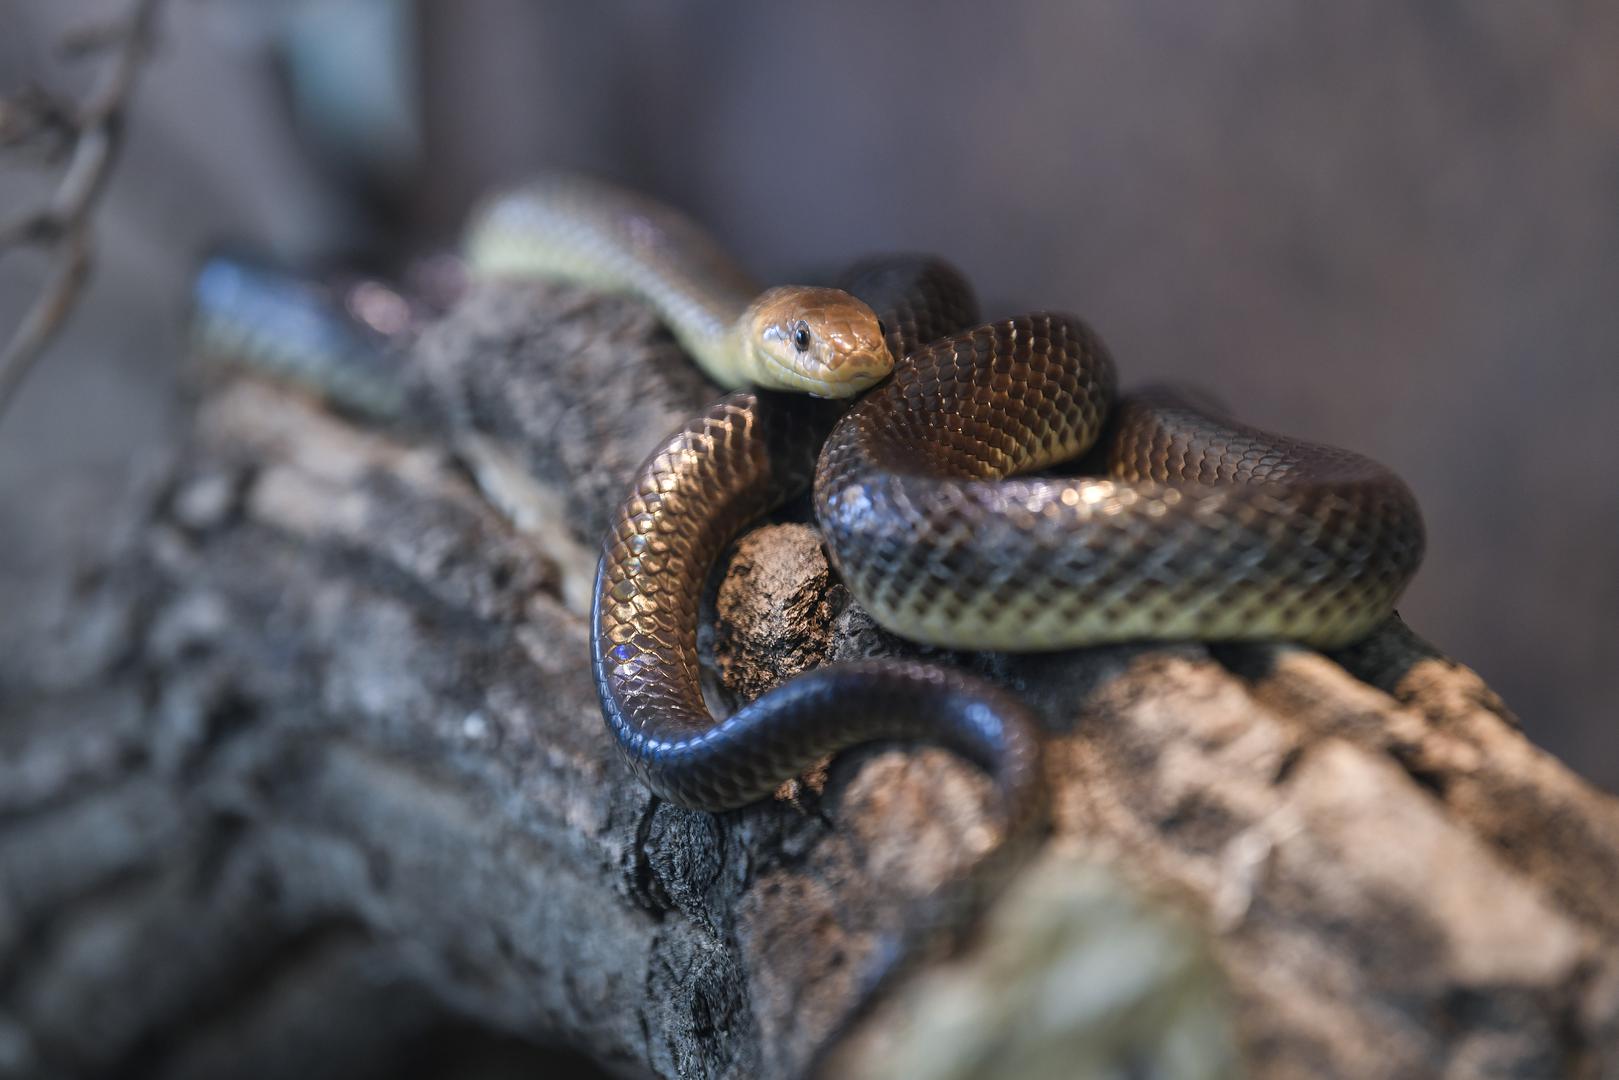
(1390, 226)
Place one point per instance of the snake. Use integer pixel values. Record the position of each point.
(935, 497)
(931, 445)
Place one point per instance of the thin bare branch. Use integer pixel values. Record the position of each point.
(69, 271)
(62, 221)
(34, 121)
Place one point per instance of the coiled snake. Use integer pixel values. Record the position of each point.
(1201, 528)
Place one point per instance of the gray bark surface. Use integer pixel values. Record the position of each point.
(308, 767)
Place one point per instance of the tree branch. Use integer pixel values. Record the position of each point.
(62, 223)
(333, 773)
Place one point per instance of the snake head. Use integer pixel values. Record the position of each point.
(821, 342)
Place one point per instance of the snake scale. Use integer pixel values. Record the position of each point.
(1200, 528)
(933, 492)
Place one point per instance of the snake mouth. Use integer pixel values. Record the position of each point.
(845, 387)
(855, 373)
(859, 372)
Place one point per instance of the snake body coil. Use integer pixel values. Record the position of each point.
(1202, 528)
(1199, 527)
(745, 455)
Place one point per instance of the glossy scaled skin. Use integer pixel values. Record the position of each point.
(746, 454)
(1203, 529)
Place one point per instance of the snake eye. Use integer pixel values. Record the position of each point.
(801, 337)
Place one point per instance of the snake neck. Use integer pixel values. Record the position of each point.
(594, 234)
(708, 326)
(801, 339)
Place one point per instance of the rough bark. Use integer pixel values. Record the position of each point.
(310, 770)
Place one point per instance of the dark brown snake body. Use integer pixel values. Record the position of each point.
(745, 455)
(1198, 527)
(1201, 529)
(1327, 539)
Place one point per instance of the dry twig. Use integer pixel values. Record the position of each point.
(61, 223)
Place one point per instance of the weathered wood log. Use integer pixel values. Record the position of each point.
(316, 773)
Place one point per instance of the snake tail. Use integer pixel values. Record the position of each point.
(295, 329)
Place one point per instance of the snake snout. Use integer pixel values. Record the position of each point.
(851, 375)
(865, 368)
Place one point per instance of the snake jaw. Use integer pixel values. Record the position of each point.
(857, 373)
(847, 384)
(868, 365)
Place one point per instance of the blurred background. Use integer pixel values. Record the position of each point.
(1389, 226)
